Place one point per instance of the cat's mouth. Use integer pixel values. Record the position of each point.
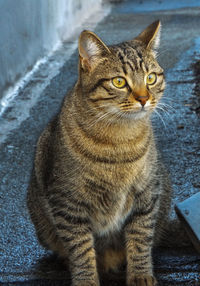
(142, 109)
(137, 113)
(146, 109)
(137, 107)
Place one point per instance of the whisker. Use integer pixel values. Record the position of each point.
(93, 111)
(170, 104)
(166, 107)
(161, 118)
(165, 112)
(169, 100)
(160, 53)
(103, 116)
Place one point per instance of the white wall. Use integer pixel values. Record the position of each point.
(30, 29)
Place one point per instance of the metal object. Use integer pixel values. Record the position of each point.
(188, 212)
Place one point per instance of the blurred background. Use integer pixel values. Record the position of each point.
(32, 30)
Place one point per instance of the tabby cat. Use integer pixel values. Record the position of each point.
(99, 194)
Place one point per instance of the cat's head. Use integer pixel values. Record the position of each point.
(125, 80)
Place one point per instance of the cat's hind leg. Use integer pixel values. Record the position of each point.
(41, 220)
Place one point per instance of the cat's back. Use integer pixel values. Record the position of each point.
(52, 150)
(45, 152)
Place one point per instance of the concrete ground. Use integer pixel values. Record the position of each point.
(22, 260)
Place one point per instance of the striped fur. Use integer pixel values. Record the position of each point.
(99, 194)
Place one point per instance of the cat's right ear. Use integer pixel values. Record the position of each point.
(151, 36)
(91, 50)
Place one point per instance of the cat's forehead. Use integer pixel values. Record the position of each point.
(135, 56)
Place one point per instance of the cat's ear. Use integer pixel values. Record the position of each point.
(151, 36)
(91, 50)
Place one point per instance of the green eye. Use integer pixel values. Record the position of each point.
(151, 78)
(119, 82)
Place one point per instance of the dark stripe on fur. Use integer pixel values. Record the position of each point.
(68, 217)
(84, 274)
(124, 69)
(79, 244)
(121, 57)
(94, 186)
(83, 253)
(71, 231)
(144, 212)
(98, 83)
(107, 160)
(128, 63)
(103, 98)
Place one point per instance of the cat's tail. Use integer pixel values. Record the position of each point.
(172, 234)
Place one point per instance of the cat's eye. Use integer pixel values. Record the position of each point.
(151, 78)
(119, 82)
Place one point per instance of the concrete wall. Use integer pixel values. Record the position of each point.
(30, 29)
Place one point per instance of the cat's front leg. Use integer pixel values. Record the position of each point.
(139, 233)
(75, 234)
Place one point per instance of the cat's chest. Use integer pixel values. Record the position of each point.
(115, 216)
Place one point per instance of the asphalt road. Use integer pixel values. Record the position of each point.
(22, 259)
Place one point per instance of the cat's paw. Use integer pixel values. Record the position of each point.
(143, 280)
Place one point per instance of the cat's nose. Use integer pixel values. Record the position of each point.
(142, 99)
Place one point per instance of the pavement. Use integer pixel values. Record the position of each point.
(22, 260)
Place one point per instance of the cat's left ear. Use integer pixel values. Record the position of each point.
(151, 36)
(92, 50)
